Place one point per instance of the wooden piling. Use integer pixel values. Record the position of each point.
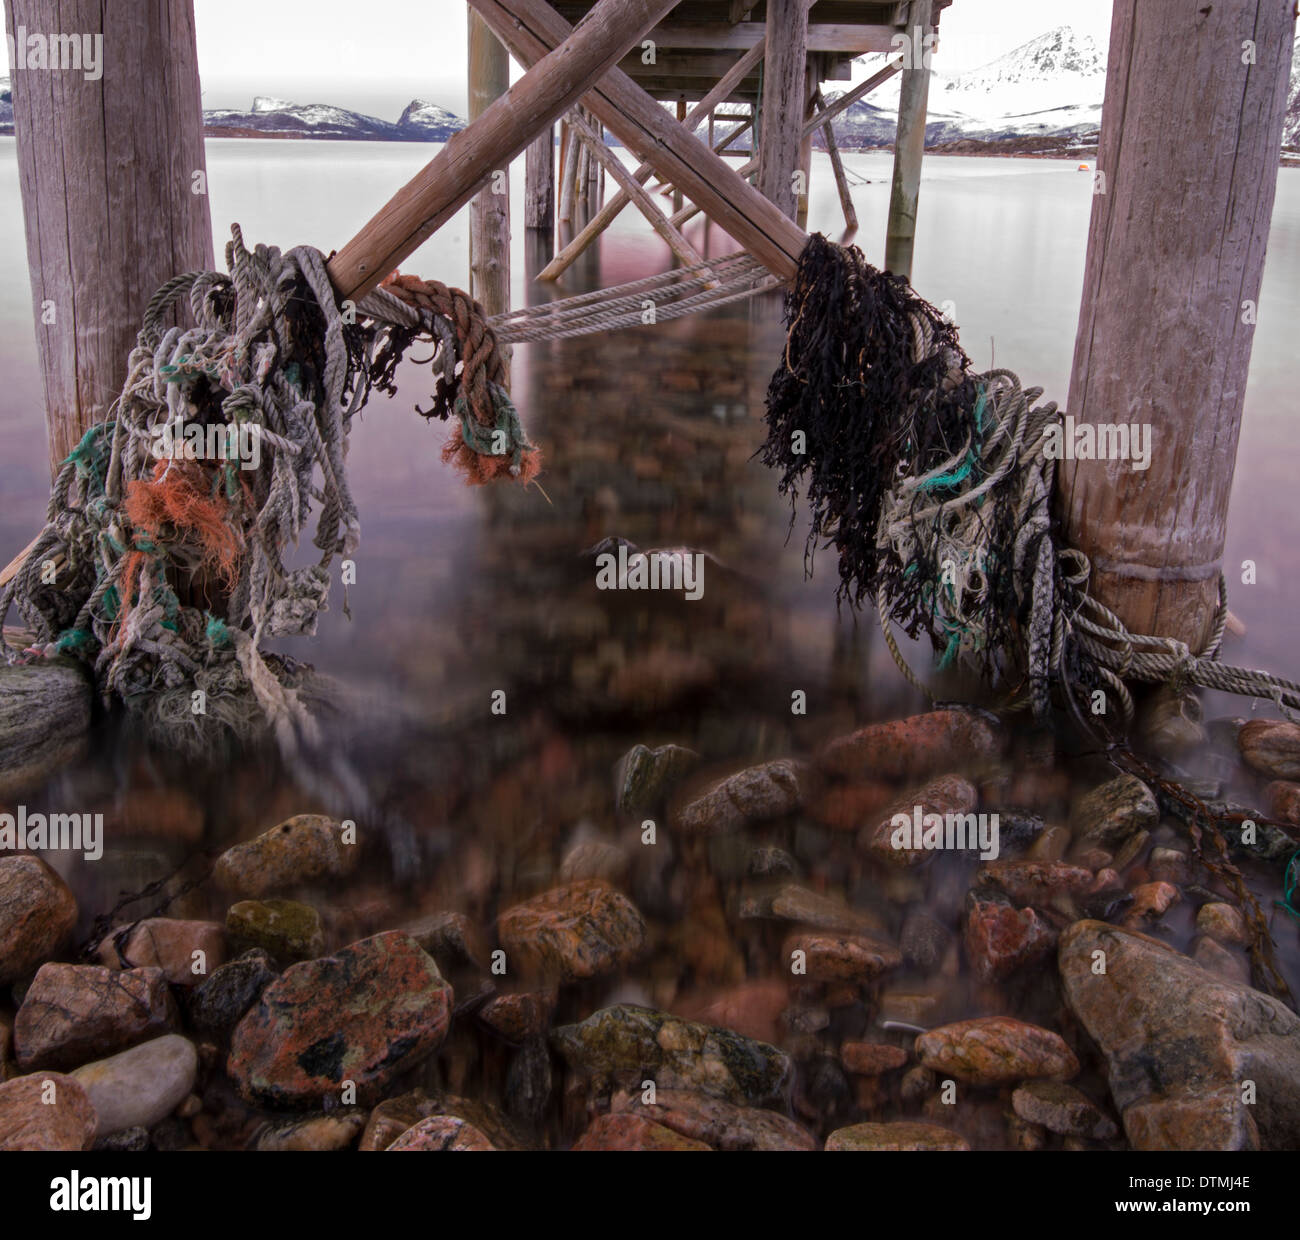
(909, 144)
(539, 182)
(1183, 192)
(489, 219)
(104, 230)
(784, 99)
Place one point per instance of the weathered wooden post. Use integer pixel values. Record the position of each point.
(784, 99)
(113, 181)
(1183, 193)
(909, 142)
(489, 217)
(804, 189)
(539, 181)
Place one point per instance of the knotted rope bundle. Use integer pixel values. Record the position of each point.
(162, 563)
(934, 485)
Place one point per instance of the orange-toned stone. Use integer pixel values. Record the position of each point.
(632, 1132)
(993, 1050)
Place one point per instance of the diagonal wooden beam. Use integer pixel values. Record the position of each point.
(558, 77)
(531, 28)
(837, 166)
(842, 104)
(603, 218)
(678, 244)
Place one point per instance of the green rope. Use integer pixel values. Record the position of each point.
(1289, 882)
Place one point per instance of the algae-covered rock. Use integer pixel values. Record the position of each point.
(286, 929)
(676, 1053)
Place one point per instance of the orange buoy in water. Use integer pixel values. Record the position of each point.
(1083, 167)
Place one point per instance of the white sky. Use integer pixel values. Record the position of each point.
(378, 55)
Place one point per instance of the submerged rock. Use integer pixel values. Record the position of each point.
(1036, 882)
(840, 957)
(994, 1050)
(753, 795)
(915, 747)
(286, 929)
(365, 1014)
(582, 930)
(45, 711)
(720, 1125)
(645, 776)
(395, 1116)
(216, 1005)
(306, 848)
(1272, 747)
(73, 1013)
(141, 1086)
(45, 1111)
(37, 913)
(793, 902)
(1062, 1109)
(903, 1135)
(333, 1130)
(947, 795)
(442, 1132)
(1180, 1042)
(1001, 939)
(1109, 814)
(186, 951)
(676, 1053)
(632, 1132)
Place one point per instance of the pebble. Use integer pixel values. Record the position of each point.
(141, 1086)
(1224, 923)
(1062, 1109)
(595, 859)
(45, 1111)
(994, 1050)
(216, 1004)
(720, 1125)
(74, 1013)
(678, 1054)
(186, 951)
(914, 747)
(632, 1132)
(839, 957)
(519, 1016)
(793, 902)
(1151, 901)
(451, 939)
(899, 1136)
(394, 1116)
(949, 794)
(581, 930)
(442, 1132)
(1271, 747)
(337, 1130)
(37, 913)
(646, 776)
(1001, 939)
(307, 848)
(285, 929)
(771, 790)
(365, 1014)
(1109, 814)
(1283, 801)
(1035, 882)
(1170, 865)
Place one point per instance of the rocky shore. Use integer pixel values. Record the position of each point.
(722, 960)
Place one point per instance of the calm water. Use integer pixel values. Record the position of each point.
(648, 435)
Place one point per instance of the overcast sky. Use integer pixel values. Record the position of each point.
(378, 55)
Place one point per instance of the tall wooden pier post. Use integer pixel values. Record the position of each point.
(1183, 193)
(113, 182)
(489, 218)
(539, 182)
(784, 99)
(909, 143)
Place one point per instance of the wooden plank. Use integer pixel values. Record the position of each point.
(555, 82)
(909, 150)
(851, 40)
(784, 102)
(569, 174)
(721, 90)
(530, 28)
(114, 191)
(489, 217)
(681, 248)
(1188, 153)
(539, 182)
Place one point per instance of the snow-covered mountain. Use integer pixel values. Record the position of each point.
(271, 117)
(1052, 85)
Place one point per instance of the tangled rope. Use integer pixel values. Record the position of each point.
(162, 563)
(934, 485)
